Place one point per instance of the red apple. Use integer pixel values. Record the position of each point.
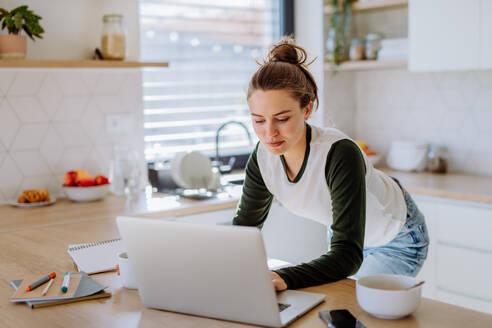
(101, 180)
(69, 178)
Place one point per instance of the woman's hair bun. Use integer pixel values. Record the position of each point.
(286, 51)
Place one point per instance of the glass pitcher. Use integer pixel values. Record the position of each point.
(125, 172)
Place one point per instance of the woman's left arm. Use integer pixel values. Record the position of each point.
(345, 175)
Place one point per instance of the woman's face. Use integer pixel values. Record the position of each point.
(278, 119)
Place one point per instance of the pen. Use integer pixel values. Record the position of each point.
(41, 281)
(45, 290)
(66, 282)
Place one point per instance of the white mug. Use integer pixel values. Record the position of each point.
(125, 272)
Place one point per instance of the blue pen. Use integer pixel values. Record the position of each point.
(66, 282)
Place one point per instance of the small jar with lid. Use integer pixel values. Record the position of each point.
(373, 45)
(357, 49)
(437, 161)
(113, 39)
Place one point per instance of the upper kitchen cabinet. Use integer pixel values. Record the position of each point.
(449, 35)
(485, 60)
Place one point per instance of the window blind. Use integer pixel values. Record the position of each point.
(211, 47)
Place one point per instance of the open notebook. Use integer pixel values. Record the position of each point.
(101, 256)
(96, 257)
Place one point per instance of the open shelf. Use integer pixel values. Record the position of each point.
(22, 63)
(371, 5)
(363, 65)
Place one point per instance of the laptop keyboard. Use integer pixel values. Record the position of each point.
(282, 307)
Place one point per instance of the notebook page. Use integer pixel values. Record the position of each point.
(96, 257)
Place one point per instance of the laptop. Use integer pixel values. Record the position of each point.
(208, 270)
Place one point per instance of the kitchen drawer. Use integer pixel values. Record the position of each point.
(465, 224)
(464, 272)
(464, 301)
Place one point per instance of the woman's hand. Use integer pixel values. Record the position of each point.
(278, 282)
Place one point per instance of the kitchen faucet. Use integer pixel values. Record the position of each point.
(217, 162)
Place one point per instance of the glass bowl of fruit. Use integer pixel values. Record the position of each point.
(80, 186)
(373, 157)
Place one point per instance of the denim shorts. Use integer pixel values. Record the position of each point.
(406, 253)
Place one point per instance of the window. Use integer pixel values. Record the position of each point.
(211, 47)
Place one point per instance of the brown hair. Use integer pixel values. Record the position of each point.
(285, 68)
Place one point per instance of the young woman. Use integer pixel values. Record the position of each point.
(321, 174)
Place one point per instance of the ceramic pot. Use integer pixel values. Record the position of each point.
(13, 46)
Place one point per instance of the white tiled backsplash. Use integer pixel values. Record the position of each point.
(453, 109)
(54, 120)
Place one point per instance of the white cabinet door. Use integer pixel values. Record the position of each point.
(443, 35)
(486, 34)
(292, 238)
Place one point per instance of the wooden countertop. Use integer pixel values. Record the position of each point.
(42, 249)
(65, 211)
(465, 187)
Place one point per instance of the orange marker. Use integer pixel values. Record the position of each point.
(41, 281)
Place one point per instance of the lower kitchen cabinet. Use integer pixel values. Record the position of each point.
(286, 236)
(459, 263)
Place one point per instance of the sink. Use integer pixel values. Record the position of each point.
(232, 178)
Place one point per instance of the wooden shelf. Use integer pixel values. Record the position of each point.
(6, 63)
(363, 65)
(371, 5)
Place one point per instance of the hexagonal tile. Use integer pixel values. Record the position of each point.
(108, 104)
(93, 122)
(52, 149)
(90, 78)
(3, 154)
(485, 78)
(9, 124)
(50, 95)
(6, 81)
(454, 100)
(71, 84)
(26, 83)
(451, 80)
(72, 134)
(70, 109)
(31, 163)
(11, 178)
(28, 109)
(96, 163)
(130, 95)
(72, 159)
(29, 136)
(109, 83)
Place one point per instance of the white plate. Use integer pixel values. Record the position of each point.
(192, 170)
(28, 205)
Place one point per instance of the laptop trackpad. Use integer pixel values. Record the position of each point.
(298, 303)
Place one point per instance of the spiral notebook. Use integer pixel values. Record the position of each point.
(97, 256)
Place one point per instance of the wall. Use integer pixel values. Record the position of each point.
(453, 109)
(73, 27)
(56, 120)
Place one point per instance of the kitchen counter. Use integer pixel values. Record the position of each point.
(146, 204)
(464, 187)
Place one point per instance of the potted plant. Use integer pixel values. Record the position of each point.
(13, 45)
(339, 30)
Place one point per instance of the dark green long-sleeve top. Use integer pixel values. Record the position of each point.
(345, 176)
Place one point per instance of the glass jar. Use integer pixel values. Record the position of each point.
(437, 161)
(373, 45)
(357, 49)
(113, 39)
(330, 45)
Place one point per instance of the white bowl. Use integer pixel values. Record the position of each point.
(384, 295)
(86, 194)
(374, 159)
